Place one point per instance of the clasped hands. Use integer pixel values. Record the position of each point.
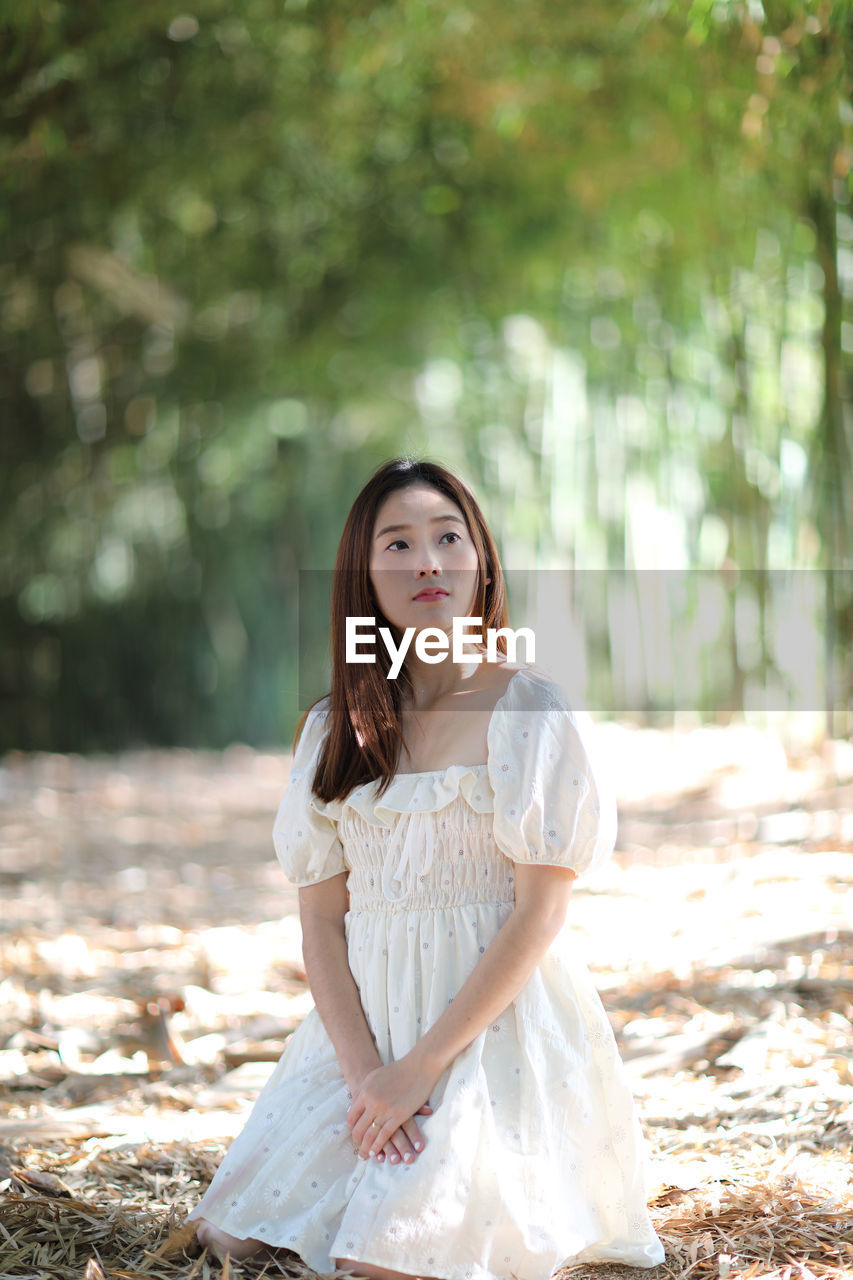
(383, 1110)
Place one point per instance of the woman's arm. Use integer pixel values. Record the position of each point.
(389, 1093)
(322, 908)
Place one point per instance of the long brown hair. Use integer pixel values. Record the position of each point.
(366, 732)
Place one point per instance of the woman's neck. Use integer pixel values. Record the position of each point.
(433, 681)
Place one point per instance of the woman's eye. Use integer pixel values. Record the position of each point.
(451, 533)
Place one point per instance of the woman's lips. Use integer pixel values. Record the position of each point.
(431, 595)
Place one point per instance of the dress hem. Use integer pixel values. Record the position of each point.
(589, 1256)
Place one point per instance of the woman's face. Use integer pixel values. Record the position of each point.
(421, 543)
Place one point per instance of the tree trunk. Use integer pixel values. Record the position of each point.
(832, 485)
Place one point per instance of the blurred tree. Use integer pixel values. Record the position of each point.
(246, 256)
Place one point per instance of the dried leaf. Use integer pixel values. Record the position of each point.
(177, 1241)
(45, 1183)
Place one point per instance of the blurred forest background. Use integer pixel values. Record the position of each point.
(598, 256)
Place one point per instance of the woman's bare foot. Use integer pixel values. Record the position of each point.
(220, 1243)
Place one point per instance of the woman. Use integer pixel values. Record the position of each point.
(455, 1105)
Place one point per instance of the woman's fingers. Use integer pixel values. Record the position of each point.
(414, 1135)
(375, 1136)
(355, 1112)
(404, 1145)
(397, 1149)
(369, 1137)
(406, 1148)
(364, 1135)
(405, 1142)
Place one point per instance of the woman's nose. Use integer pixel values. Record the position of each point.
(428, 562)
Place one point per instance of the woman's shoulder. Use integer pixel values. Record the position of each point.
(318, 711)
(530, 688)
(321, 708)
(314, 724)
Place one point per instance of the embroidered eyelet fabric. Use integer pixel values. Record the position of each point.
(534, 1156)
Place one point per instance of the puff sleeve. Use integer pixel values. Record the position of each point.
(553, 800)
(305, 832)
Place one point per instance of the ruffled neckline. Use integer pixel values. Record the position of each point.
(424, 792)
(428, 790)
(425, 773)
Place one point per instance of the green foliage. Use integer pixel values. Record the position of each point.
(248, 253)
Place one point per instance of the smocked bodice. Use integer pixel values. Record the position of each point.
(424, 859)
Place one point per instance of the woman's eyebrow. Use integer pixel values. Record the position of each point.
(398, 528)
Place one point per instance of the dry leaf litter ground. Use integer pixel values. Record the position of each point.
(150, 971)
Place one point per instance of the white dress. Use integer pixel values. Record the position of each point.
(534, 1157)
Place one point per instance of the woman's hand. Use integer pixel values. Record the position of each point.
(383, 1109)
(401, 1145)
